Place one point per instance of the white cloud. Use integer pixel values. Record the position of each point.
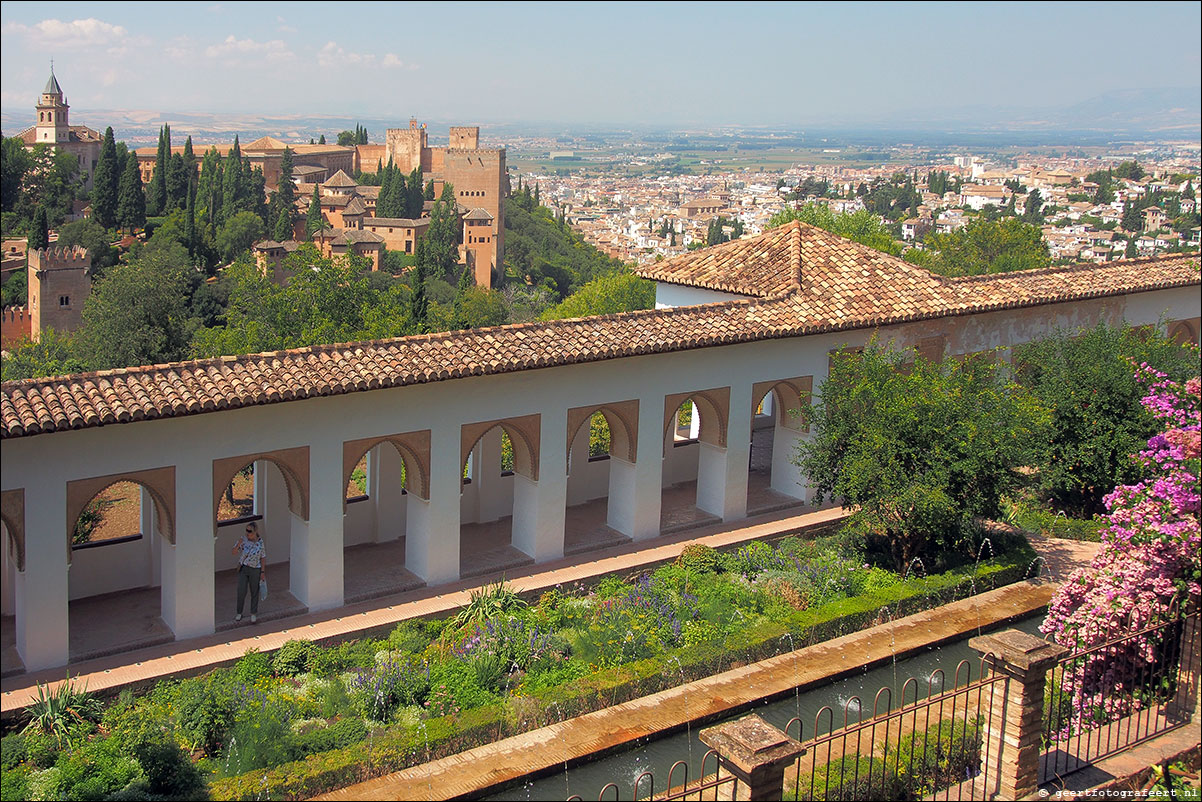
(391, 60)
(283, 26)
(76, 33)
(233, 47)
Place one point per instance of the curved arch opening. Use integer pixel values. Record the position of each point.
(773, 481)
(498, 485)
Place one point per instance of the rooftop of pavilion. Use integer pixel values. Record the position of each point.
(800, 280)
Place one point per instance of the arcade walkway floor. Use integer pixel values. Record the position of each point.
(116, 624)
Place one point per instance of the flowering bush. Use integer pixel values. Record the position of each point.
(1149, 561)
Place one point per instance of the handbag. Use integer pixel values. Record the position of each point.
(262, 588)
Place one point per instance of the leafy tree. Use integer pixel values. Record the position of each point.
(346, 138)
(419, 304)
(238, 233)
(54, 354)
(16, 289)
(90, 235)
(1130, 170)
(1086, 380)
(137, 314)
(39, 234)
(104, 182)
(466, 282)
(441, 252)
(15, 162)
(860, 226)
(918, 452)
(50, 184)
(989, 246)
(620, 291)
(131, 200)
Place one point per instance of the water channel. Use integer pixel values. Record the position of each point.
(658, 756)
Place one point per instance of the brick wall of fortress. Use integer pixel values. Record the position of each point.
(56, 274)
(479, 177)
(14, 326)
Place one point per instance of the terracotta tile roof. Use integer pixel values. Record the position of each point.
(821, 283)
(340, 179)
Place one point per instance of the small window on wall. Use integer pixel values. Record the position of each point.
(64, 300)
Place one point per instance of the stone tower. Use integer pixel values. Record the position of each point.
(58, 285)
(53, 125)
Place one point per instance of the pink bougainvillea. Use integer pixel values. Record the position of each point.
(1149, 562)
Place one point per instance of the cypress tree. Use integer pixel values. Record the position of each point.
(177, 184)
(361, 138)
(156, 194)
(190, 220)
(415, 194)
(231, 182)
(458, 314)
(285, 194)
(104, 183)
(283, 226)
(384, 200)
(190, 172)
(131, 201)
(322, 139)
(419, 305)
(314, 220)
(429, 191)
(536, 196)
(39, 235)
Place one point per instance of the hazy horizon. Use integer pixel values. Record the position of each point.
(662, 64)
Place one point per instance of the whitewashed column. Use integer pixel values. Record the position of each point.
(316, 556)
(432, 526)
(43, 628)
(539, 508)
(384, 484)
(188, 567)
(787, 477)
(722, 472)
(636, 488)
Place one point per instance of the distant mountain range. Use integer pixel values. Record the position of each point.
(1158, 113)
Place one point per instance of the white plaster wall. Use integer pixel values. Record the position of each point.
(111, 567)
(680, 461)
(587, 479)
(52, 460)
(359, 525)
(676, 295)
(8, 573)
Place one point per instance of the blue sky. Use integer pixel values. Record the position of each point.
(657, 63)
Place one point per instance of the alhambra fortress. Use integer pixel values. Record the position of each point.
(740, 334)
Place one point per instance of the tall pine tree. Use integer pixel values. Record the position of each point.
(284, 198)
(131, 201)
(104, 183)
(177, 183)
(39, 235)
(231, 183)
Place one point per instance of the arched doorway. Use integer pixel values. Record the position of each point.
(121, 531)
(500, 479)
(777, 425)
(383, 476)
(694, 449)
(269, 491)
(601, 455)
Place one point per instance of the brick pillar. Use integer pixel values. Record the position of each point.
(755, 753)
(1014, 726)
(1186, 704)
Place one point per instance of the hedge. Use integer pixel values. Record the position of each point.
(440, 737)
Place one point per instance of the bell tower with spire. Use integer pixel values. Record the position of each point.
(53, 125)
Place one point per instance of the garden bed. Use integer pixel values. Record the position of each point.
(310, 719)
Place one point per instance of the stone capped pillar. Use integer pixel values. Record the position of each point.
(755, 753)
(1014, 723)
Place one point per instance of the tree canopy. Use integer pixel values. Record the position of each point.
(918, 451)
(861, 226)
(987, 246)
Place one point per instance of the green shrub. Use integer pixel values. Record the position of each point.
(852, 777)
(41, 750)
(701, 559)
(95, 770)
(948, 753)
(168, 769)
(12, 752)
(293, 658)
(753, 558)
(203, 707)
(253, 667)
(261, 735)
(63, 713)
(346, 656)
(395, 681)
(14, 783)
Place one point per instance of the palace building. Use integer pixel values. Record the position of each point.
(744, 331)
(54, 127)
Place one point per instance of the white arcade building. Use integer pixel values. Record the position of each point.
(742, 332)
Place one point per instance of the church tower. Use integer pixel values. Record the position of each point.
(52, 114)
